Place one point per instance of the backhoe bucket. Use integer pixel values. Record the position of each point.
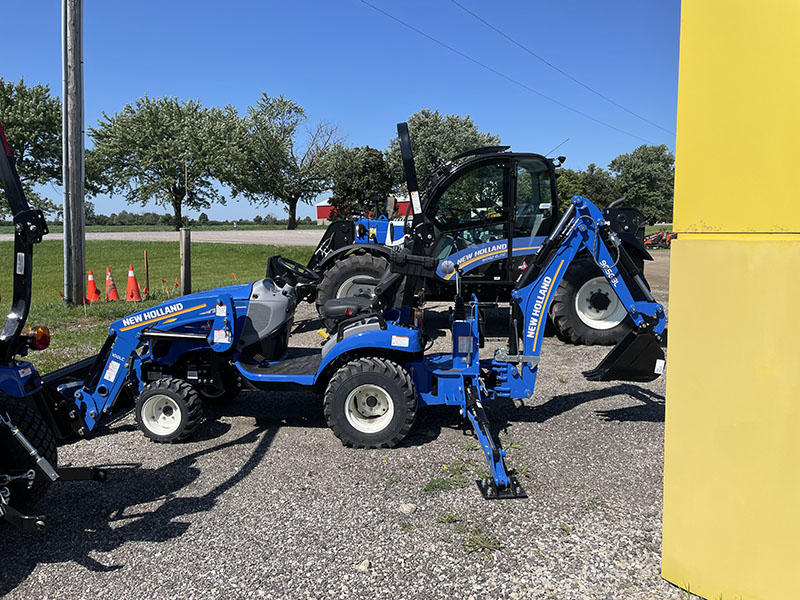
(637, 357)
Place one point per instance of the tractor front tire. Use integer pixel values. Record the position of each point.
(586, 310)
(339, 280)
(168, 410)
(371, 403)
(14, 458)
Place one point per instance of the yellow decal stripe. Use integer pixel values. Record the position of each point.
(543, 316)
(472, 260)
(162, 317)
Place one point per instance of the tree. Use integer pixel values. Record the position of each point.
(433, 137)
(165, 150)
(646, 179)
(361, 182)
(31, 118)
(595, 183)
(277, 167)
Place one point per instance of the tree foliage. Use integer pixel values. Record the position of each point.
(595, 183)
(433, 137)
(164, 150)
(645, 178)
(278, 167)
(31, 118)
(361, 182)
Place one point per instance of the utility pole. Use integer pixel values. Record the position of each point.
(72, 133)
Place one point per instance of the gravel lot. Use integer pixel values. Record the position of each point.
(265, 502)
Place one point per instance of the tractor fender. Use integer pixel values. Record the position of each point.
(336, 255)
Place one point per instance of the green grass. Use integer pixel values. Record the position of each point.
(225, 227)
(653, 228)
(78, 332)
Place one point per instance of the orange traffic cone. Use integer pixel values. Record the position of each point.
(92, 293)
(133, 294)
(111, 287)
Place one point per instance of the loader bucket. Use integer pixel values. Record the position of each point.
(637, 357)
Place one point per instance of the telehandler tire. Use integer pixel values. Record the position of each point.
(586, 310)
(168, 410)
(14, 458)
(339, 280)
(370, 403)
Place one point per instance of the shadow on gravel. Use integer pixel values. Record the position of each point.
(651, 407)
(89, 518)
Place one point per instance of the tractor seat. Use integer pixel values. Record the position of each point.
(344, 308)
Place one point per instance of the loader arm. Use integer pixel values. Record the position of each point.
(202, 321)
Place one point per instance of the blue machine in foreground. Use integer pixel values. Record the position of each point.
(373, 371)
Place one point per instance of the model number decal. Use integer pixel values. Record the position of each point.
(610, 275)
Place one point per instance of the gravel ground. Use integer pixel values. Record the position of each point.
(265, 501)
(277, 237)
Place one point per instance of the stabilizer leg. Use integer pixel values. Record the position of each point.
(500, 486)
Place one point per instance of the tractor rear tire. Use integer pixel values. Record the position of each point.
(586, 310)
(13, 457)
(338, 281)
(168, 410)
(371, 403)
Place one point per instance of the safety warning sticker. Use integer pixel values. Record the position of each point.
(111, 371)
(222, 336)
(400, 341)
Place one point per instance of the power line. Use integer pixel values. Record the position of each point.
(557, 147)
(503, 75)
(555, 68)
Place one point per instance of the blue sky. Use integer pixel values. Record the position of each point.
(348, 64)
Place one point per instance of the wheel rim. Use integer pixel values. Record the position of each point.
(588, 305)
(369, 408)
(350, 288)
(161, 414)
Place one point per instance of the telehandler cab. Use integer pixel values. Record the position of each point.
(487, 210)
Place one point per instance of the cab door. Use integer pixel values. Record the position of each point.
(533, 209)
(471, 213)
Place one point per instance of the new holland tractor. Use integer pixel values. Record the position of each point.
(487, 210)
(374, 372)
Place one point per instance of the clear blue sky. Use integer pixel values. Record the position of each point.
(347, 63)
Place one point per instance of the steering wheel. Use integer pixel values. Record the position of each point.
(296, 270)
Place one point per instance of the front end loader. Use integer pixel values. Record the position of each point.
(28, 453)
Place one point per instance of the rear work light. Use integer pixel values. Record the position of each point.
(38, 337)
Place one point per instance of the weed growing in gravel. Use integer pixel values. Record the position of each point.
(566, 528)
(475, 541)
(472, 447)
(561, 379)
(457, 477)
(522, 469)
(405, 526)
(448, 518)
(393, 479)
(510, 444)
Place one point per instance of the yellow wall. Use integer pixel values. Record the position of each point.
(732, 456)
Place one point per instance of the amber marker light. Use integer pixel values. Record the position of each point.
(39, 337)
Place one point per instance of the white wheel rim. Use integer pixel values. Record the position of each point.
(161, 414)
(596, 318)
(369, 408)
(350, 288)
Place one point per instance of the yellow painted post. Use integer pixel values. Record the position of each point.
(732, 455)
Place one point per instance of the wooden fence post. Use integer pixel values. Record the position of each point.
(186, 261)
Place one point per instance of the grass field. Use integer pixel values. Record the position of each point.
(78, 332)
(653, 228)
(102, 228)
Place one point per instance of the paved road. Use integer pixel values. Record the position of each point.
(301, 237)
